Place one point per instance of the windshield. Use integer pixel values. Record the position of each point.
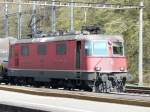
(100, 48)
(96, 48)
(117, 48)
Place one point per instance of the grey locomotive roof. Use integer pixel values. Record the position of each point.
(72, 37)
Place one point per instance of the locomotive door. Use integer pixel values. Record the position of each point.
(16, 56)
(78, 52)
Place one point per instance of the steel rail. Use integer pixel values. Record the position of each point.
(140, 90)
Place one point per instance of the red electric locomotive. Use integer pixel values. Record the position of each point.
(90, 62)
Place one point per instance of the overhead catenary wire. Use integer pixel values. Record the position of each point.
(79, 5)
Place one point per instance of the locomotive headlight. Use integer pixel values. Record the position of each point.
(97, 68)
(122, 69)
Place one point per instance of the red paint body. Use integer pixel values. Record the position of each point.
(70, 61)
(52, 61)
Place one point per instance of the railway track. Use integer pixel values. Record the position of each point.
(138, 90)
(126, 99)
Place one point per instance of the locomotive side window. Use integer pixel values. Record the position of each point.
(117, 48)
(61, 48)
(88, 48)
(100, 48)
(41, 49)
(24, 50)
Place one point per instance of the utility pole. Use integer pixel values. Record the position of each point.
(6, 20)
(85, 15)
(19, 20)
(34, 30)
(53, 15)
(72, 18)
(45, 14)
(141, 44)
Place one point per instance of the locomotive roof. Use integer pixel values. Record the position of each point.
(72, 37)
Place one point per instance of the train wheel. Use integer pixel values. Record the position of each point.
(120, 86)
(70, 85)
(13, 80)
(47, 85)
(84, 86)
(96, 87)
(30, 81)
(107, 86)
(54, 83)
(36, 84)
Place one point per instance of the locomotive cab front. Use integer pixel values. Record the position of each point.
(106, 58)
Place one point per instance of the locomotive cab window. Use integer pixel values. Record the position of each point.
(118, 48)
(96, 48)
(61, 49)
(24, 50)
(100, 48)
(41, 49)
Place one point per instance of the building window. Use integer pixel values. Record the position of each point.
(41, 49)
(24, 50)
(61, 49)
